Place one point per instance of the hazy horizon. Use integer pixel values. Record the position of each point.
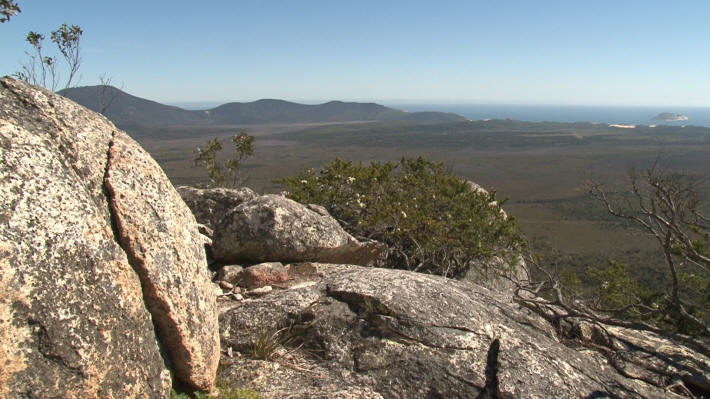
(205, 105)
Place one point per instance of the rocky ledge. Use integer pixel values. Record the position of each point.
(345, 331)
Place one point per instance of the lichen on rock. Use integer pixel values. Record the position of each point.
(73, 314)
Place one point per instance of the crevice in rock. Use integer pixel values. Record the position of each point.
(491, 389)
(383, 321)
(166, 331)
(45, 348)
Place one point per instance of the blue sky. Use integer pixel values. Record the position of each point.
(485, 52)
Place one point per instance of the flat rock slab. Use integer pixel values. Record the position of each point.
(400, 334)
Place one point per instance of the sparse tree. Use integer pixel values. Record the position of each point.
(41, 69)
(107, 93)
(8, 9)
(225, 174)
(668, 207)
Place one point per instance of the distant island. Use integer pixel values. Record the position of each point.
(669, 117)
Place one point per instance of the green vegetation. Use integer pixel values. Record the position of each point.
(8, 9)
(670, 297)
(615, 287)
(42, 70)
(542, 167)
(431, 220)
(668, 207)
(225, 174)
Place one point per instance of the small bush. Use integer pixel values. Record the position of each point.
(431, 220)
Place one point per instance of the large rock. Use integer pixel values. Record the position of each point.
(346, 331)
(97, 254)
(272, 228)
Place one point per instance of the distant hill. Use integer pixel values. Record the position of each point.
(127, 110)
(124, 109)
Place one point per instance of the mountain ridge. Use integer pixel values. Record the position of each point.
(124, 109)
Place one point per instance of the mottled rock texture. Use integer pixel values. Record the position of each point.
(97, 253)
(229, 273)
(351, 330)
(210, 206)
(271, 228)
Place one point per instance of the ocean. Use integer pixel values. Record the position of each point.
(555, 113)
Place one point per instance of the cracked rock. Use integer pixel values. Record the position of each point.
(398, 334)
(97, 253)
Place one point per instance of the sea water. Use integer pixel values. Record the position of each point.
(565, 113)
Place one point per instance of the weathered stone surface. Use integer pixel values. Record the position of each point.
(400, 334)
(312, 380)
(160, 234)
(210, 206)
(262, 274)
(74, 321)
(272, 228)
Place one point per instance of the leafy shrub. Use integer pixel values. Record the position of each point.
(431, 220)
(615, 286)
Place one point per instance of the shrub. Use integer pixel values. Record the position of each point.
(225, 174)
(431, 220)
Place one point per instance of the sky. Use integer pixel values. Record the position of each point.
(479, 52)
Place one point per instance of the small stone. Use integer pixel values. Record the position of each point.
(225, 285)
(229, 273)
(263, 274)
(237, 297)
(260, 291)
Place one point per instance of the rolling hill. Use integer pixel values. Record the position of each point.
(124, 109)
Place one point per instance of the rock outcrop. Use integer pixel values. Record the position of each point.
(349, 331)
(271, 228)
(98, 255)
